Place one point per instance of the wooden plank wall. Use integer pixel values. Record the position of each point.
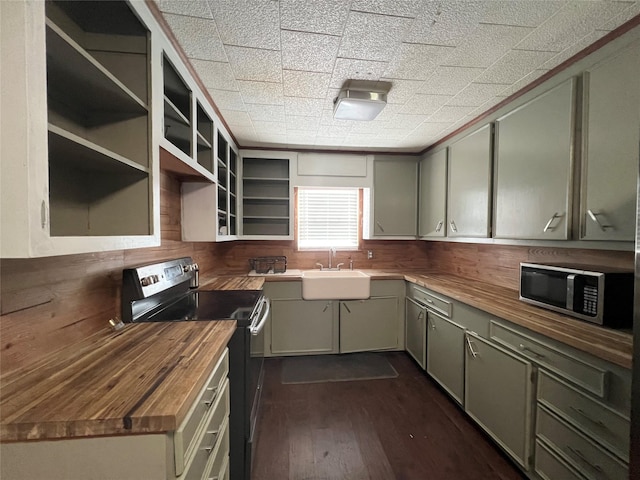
(499, 264)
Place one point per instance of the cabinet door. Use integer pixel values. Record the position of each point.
(610, 148)
(433, 195)
(533, 167)
(415, 334)
(445, 354)
(302, 326)
(395, 193)
(498, 396)
(369, 324)
(469, 202)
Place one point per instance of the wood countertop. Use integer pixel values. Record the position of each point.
(614, 346)
(141, 379)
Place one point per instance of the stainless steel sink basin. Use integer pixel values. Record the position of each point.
(335, 285)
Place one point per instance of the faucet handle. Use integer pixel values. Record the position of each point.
(339, 265)
(319, 265)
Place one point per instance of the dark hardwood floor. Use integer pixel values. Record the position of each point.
(403, 428)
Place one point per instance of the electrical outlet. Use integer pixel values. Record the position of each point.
(369, 254)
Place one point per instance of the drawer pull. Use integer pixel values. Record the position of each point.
(532, 352)
(474, 354)
(584, 415)
(213, 440)
(428, 300)
(580, 456)
(213, 397)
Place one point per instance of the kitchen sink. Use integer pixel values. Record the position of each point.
(335, 285)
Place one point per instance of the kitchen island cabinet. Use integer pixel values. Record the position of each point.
(533, 167)
(78, 170)
(611, 133)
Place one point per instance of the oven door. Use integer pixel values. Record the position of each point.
(256, 373)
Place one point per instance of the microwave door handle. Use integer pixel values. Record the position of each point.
(266, 307)
(571, 288)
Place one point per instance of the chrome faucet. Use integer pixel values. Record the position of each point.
(332, 252)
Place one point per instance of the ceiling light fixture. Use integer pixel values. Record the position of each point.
(360, 100)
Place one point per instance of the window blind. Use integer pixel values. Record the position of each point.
(328, 217)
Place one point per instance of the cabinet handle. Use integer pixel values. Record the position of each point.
(594, 217)
(474, 354)
(43, 214)
(548, 226)
(432, 325)
(420, 316)
(380, 226)
(584, 415)
(346, 307)
(439, 226)
(532, 352)
(326, 306)
(452, 224)
(581, 456)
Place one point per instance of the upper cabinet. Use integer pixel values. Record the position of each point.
(469, 197)
(395, 195)
(533, 169)
(611, 135)
(432, 208)
(78, 163)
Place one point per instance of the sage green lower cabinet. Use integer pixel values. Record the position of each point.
(445, 354)
(415, 333)
(303, 327)
(368, 325)
(498, 396)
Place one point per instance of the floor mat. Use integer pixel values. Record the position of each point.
(336, 368)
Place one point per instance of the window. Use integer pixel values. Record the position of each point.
(328, 217)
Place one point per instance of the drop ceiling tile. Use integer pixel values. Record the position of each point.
(279, 128)
(247, 23)
(398, 8)
(523, 82)
(300, 138)
(227, 100)
(476, 94)
(421, 104)
(372, 37)
(312, 52)
(332, 94)
(198, 37)
(445, 23)
(449, 80)
(407, 122)
(193, 8)
(330, 141)
(303, 106)
(430, 128)
(402, 90)
(306, 84)
(486, 45)
(215, 75)
(574, 21)
(450, 113)
(255, 64)
(243, 134)
(514, 65)
(317, 16)
(416, 62)
(272, 138)
(236, 118)
(333, 131)
(266, 113)
(375, 126)
(524, 13)
(576, 47)
(630, 12)
(349, 69)
(263, 93)
(302, 123)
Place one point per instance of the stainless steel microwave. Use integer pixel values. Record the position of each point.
(600, 295)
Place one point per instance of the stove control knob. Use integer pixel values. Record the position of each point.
(150, 280)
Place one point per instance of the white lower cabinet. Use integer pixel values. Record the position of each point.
(367, 325)
(498, 396)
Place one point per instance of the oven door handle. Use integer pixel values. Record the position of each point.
(266, 308)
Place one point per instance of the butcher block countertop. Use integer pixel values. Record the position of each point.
(140, 379)
(612, 345)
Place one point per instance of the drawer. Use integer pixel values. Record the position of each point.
(596, 420)
(431, 300)
(551, 467)
(587, 376)
(211, 438)
(184, 438)
(217, 467)
(576, 449)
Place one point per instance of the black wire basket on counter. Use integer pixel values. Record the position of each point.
(268, 264)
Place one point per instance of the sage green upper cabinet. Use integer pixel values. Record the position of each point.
(433, 195)
(469, 200)
(610, 149)
(534, 146)
(395, 193)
